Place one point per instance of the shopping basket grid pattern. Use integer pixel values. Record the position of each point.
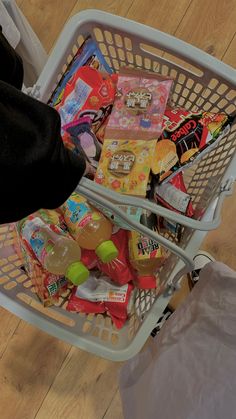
(196, 86)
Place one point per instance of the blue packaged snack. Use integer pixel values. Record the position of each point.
(88, 54)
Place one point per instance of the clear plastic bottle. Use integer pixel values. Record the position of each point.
(56, 252)
(89, 227)
(146, 257)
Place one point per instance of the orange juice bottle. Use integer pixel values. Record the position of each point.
(146, 257)
(58, 254)
(89, 227)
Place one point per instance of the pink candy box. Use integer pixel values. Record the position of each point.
(139, 105)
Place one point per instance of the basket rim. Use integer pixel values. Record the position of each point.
(176, 45)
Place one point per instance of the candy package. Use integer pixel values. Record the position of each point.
(88, 54)
(84, 140)
(173, 195)
(139, 105)
(88, 93)
(187, 136)
(119, 270)
(100, 295)
(125, 165)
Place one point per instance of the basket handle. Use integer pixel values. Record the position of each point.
(123, 200)
(103, 196)
(86, 188)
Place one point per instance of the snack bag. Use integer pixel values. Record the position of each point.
(100, 295)
(173, 195)
(125, 165)
(119, 270)
(139, 105)
(88, 54)
(88, 93)
(187, 136)
(84, 140)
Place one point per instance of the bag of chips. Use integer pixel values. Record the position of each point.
(187, 136)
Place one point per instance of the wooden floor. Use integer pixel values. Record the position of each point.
(42, 377)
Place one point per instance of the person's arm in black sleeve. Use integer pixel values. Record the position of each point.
(11, 66)
(36, 170)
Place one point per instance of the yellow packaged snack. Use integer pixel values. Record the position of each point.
(124, 165)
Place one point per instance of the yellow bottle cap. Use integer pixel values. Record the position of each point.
(77, 273)
(107, 251)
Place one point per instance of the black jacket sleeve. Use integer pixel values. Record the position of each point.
(11, 67)
(36, 170)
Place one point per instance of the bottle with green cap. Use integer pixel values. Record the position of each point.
(57, 252)
(89, 227)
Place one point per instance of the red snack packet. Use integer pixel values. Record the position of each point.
(173, 195)
(104, 298)
(88, 93)
(186, 137)
(119, 270)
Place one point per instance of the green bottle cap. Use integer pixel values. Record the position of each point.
(107, 251)
(77, 273)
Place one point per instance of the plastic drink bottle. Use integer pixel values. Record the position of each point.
(89, 227)
(146, 257)
(56, 252)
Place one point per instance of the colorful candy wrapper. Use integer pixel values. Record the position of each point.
(125, 165)
(88, 54)
(173, 195)
(139, 105)
(88, 93)
(187, 136)
(100, 295)
(84, 140)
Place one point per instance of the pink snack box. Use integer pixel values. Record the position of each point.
(139, 105)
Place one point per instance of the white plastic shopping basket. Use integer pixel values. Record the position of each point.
(200, 81)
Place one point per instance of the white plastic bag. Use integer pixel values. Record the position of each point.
(189, 370)
(29, 48)
(9, 28)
